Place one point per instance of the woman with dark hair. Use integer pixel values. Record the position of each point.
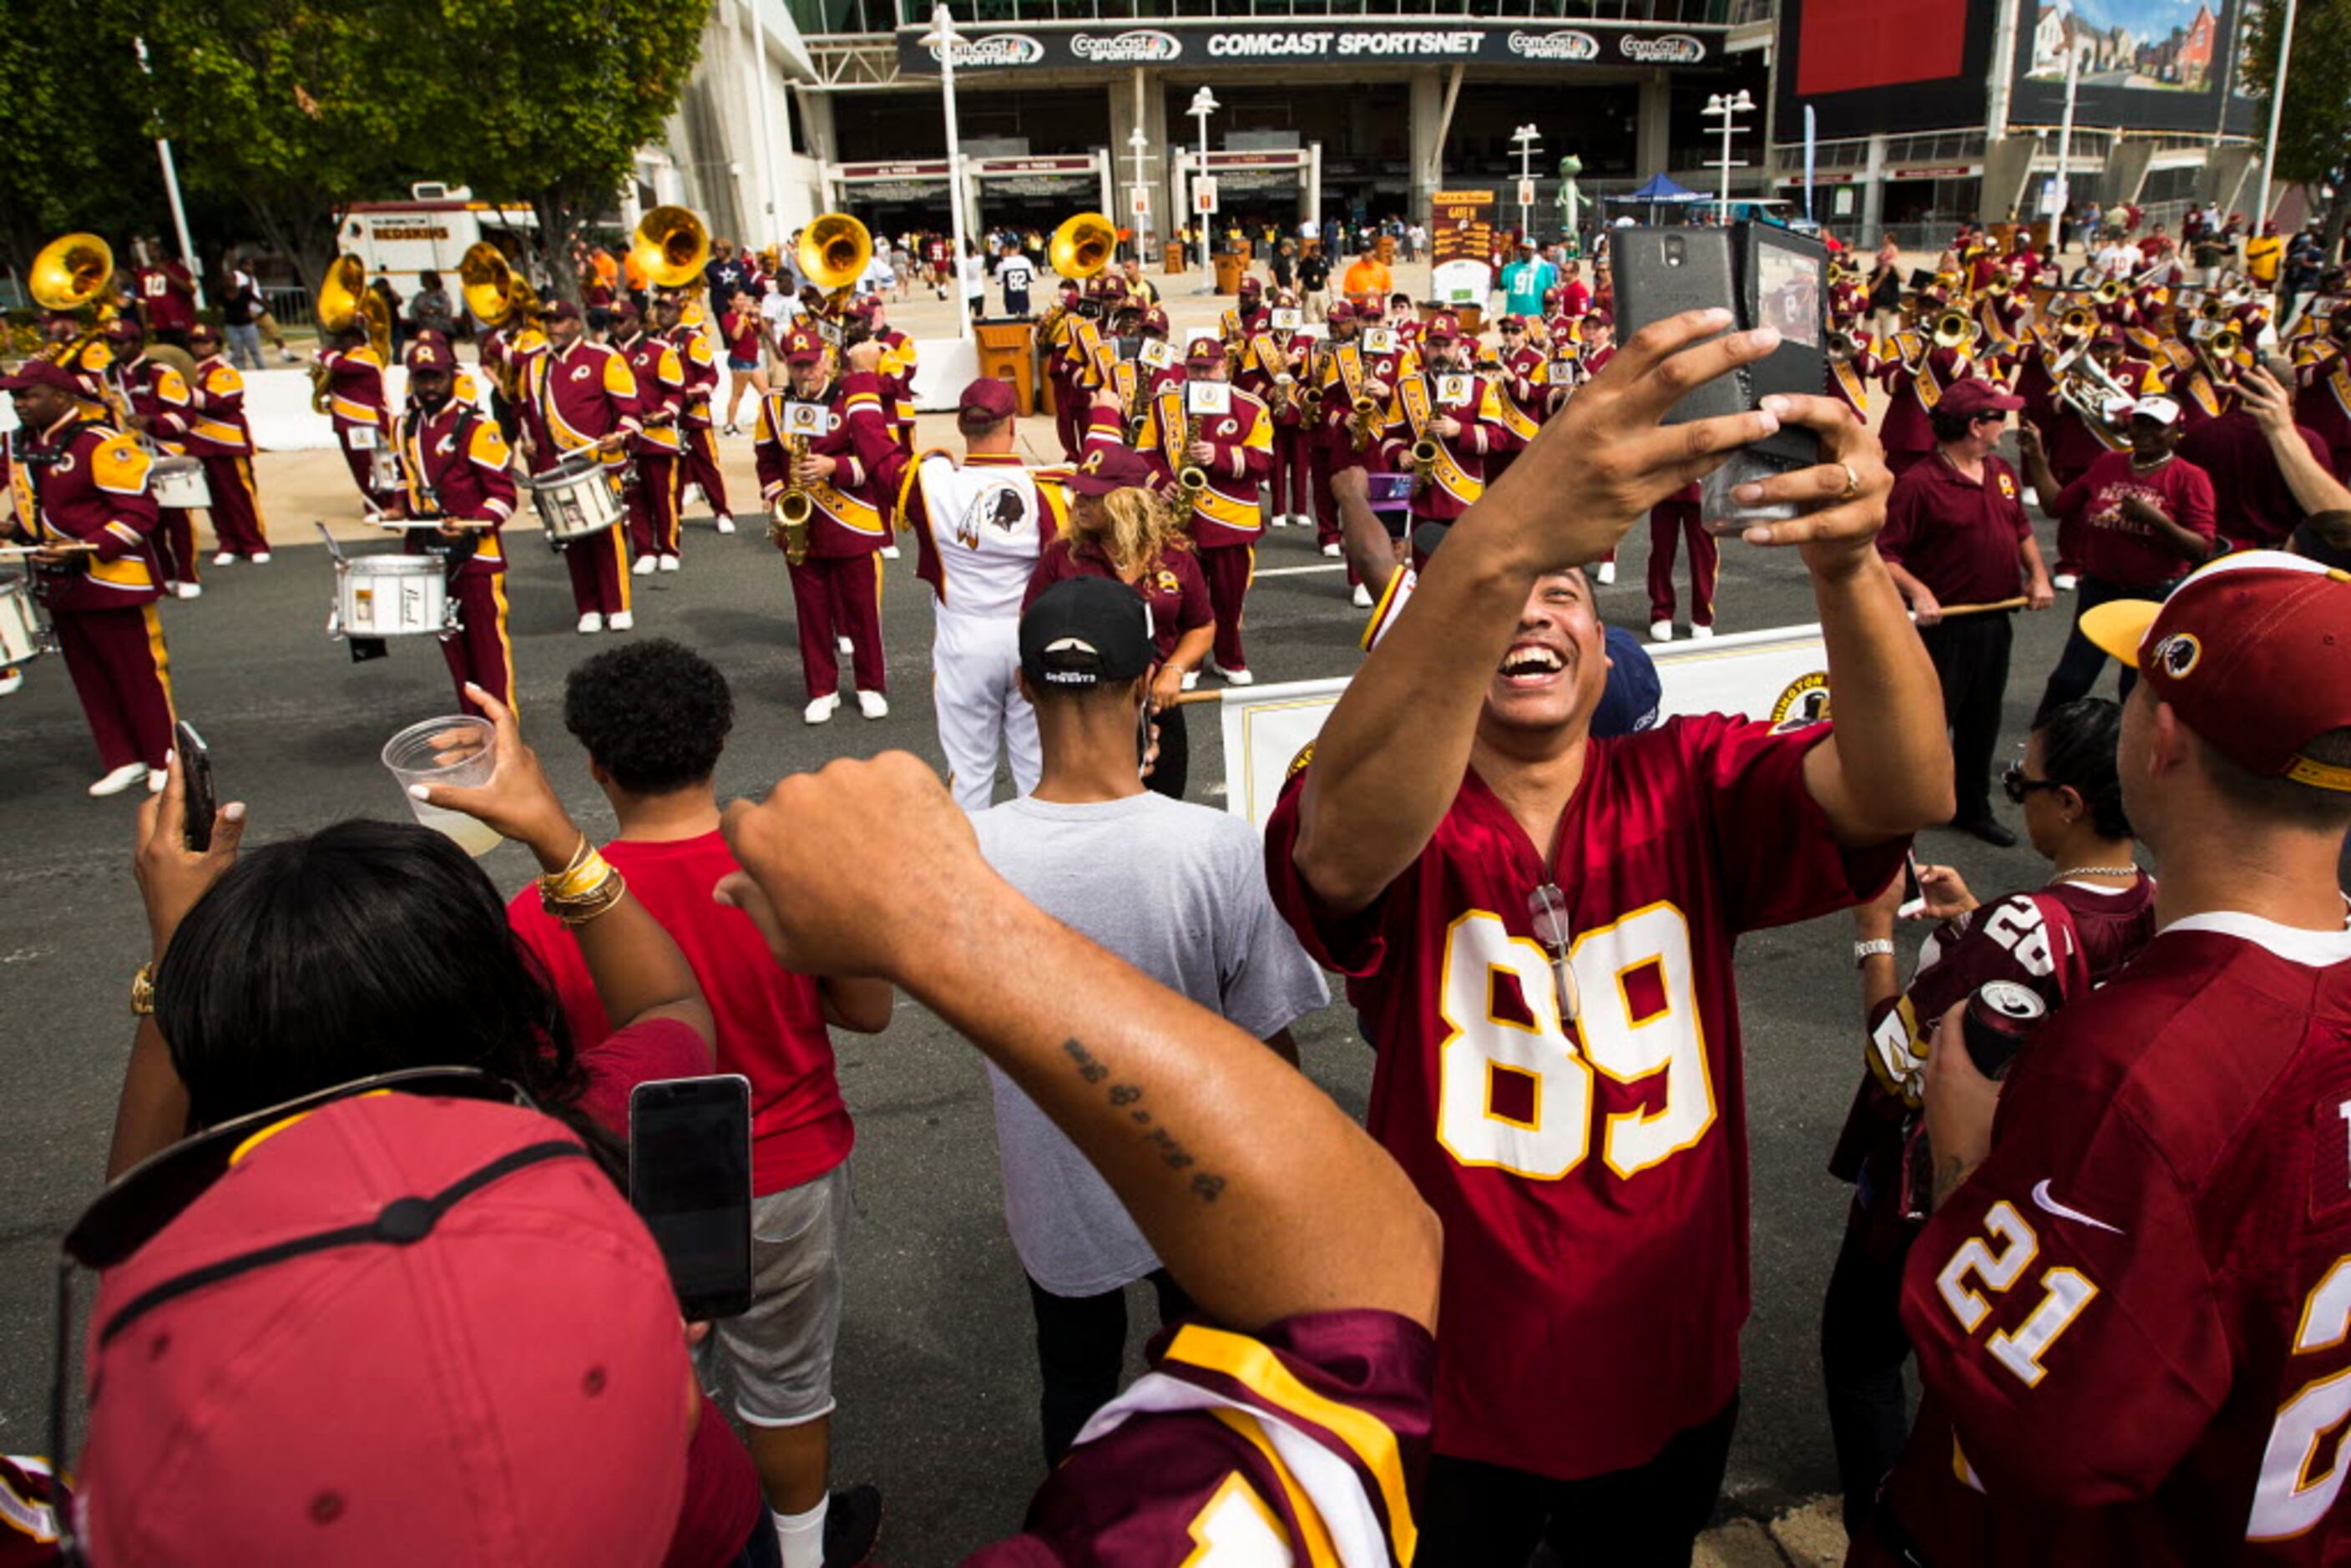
(368, 946)
(2061, 940)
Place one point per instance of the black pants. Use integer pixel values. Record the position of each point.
(1476, 1515)
(2083, 662)
(1971, 657)
(1863, 1348)
(1174, 765)
(1081, 1349)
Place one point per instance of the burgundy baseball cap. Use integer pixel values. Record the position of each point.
(563, 311)
(1972, 397)
(1107, 468)
(1251, 286)
(865, 306)
(1442, 327)
(803, 346)
(1341, 311)
(2253, 652)
(1371, 309)
(1112, 286)
(1512, 324)
(431, 353)
(37, 373)
(625, 310)
(398, 1330)
(985, 402)
(1203, 350)
(2110, 333)
(1154, 320)
(124, 330)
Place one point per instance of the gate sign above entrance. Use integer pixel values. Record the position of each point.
(1302, 41)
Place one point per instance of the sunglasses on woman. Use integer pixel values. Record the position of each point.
(2014, 782)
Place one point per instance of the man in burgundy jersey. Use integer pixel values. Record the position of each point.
(1292, 1431)
(1537, 929)
(2132, 1309)
(2092, 916)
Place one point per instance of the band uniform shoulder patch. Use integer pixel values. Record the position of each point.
(1804, 703)
(118, 464)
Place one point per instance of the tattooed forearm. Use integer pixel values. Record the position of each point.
(1951, 1174)
(1128, 1099)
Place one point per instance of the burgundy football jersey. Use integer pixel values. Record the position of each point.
(2134, 1322)
(1301, 1444)
(1591, 1177)
(30, 1498)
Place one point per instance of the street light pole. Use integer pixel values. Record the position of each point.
(1525, 136)
(1727, 108)
(1203, 104)
(1138, 147)
(2065, 153)
(2277, 116)
(942, 39)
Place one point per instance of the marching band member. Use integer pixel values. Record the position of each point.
(979, 524)
(1089, 358)
(1917, 375)
(1523, 388)
(836, 583)
(79, 492)
(1849, 373)
(2323, 401)
(156, 397)
(1337, 373)
(1231, 451)
(456, 481)
(1671, 520)
(697, 440)
(215, 432)
(353, 378)
(1053, 330)
(1273, 362)
(1246, 315)
(91, 362)
(1443, 402)
(2075, 440)
(579, 396)
(660, 374)
(899, 357)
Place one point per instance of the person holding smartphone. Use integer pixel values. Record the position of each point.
(1461, 847)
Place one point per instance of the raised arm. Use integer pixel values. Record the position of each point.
(1264, 1198)
(2305, 475)
(1369, 803)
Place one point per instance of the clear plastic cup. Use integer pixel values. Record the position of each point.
(414, 759)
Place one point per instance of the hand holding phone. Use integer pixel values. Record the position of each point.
(203, 802)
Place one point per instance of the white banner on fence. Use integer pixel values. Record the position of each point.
(1781, 674)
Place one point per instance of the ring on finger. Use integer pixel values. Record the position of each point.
(1851, 483)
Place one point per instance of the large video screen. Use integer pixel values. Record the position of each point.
(2148, 64)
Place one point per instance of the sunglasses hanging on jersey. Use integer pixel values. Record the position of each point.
(141, 1203)
(1548, 908)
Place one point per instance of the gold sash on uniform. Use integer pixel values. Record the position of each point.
(2340, 382)
(1447, 470)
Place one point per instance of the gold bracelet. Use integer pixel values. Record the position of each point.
(581, 876)
(142, 992)
(579, 909)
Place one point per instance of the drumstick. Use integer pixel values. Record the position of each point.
(1186, 699)
(1952, 609)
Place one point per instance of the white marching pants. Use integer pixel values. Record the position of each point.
(975, 663)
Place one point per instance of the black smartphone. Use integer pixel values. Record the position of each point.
(690, 1181)
(202, 799)
(1784, 283)
(1662, 272)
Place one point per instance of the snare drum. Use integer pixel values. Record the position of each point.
(391, 596)
(179, 482)
(23, 635)
(575, 498)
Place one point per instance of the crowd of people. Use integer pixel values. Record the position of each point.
(369, 1152)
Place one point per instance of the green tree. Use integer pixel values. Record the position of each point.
(2313, 147)
(556, 99)
(72, 159)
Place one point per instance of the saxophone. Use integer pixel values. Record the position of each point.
(1192, 479)
(1424, 452)
(1364, 427)
(1312, 396)
(787, 525)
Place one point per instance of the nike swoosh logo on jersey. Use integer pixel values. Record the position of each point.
(2041, 1199)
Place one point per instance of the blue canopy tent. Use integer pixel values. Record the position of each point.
(1660, 191)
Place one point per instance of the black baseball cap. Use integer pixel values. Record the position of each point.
(1085, 632)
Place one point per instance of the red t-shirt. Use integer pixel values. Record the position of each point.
(742, 330)
(723, 1501)
(1593, 1184)
(2262, 511)
(770, 1022)
(162, 304)
(2134, 1322)
(1957, 536)
(1175, 592)
(2118, 549)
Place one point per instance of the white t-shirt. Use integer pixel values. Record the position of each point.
(974, 270)
(2119, 260)
(1179, 890)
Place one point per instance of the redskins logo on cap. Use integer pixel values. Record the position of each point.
(2177, 654)
(1092, 462)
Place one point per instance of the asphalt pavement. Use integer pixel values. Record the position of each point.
(936, 1375)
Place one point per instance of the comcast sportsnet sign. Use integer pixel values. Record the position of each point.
(1300, 41)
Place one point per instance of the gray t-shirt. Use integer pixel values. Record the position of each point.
(1179, 890)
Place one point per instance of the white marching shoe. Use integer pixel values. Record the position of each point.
(1233, 677)
(645, 567)
(1701, 633)
(591, 622)
(1191, 679)
(225, 559)
(1362, 596)
(1608, 572)
(844, 645)
(192, 591)
(2065, 582)
(890, 553)
(1332, 550)
(1661, 631)
(723, 524)
(261, 558)
(669, 563)
(620, 621)
(872, 705)
(121, 778)
(1277, 520)
(821, 710)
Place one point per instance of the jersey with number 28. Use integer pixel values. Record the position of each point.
(2134, 1321)
(1591, 1174)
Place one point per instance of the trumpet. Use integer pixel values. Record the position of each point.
(1192, 479)
(1956, 329)
(2109, 292)
(1839, 345)
(2077, 322)
(1364, 428)
(2219, 352)
(788, 523)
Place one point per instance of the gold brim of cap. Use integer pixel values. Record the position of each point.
(2119, 625)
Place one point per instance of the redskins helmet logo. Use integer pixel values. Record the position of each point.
(2177, 654)
(1299, 763)
(1093, 463)
(579, 373)
(1228, 427)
